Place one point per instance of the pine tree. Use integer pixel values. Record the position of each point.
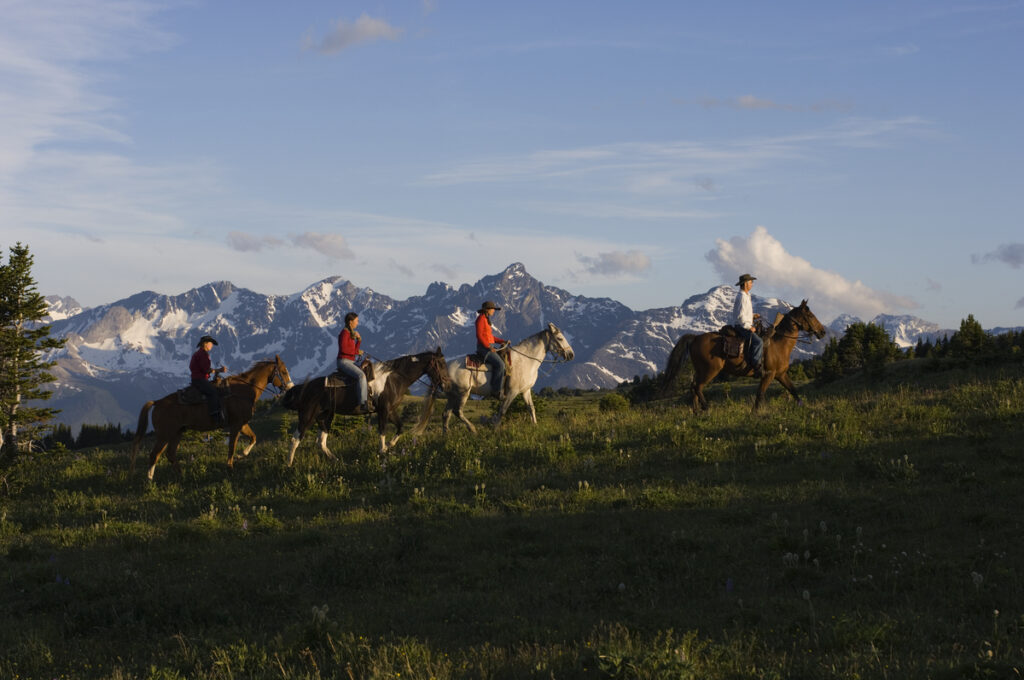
(970, 341)
(22, 343)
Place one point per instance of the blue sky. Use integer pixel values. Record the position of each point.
(866, 156)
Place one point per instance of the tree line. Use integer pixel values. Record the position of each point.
(867, 348)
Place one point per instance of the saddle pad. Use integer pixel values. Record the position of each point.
(336, 380)
(473, 363)
(190, 395)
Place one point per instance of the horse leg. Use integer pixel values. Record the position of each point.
(460, 402)
(247, 431)
(699, 403)
(154, 455)
(172, 452)
(761, 389)
(788, 384)
(528, 398)
(326, 418)
(232, 442)
(505, 404)
(306, 417)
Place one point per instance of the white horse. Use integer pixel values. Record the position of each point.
(526, 359)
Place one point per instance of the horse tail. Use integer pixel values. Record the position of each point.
(140, 431)
(428, 410)
(676, 359)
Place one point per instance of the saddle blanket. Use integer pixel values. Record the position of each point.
(190, 395)
(474, 363)
(732, 346)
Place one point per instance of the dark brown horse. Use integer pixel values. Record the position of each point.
(171, 418)
(706, 351)
(389, 383)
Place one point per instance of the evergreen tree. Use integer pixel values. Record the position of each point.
(863, 347)
(22, 342)
(971, 341)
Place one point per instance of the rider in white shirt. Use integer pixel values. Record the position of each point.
(743, 321)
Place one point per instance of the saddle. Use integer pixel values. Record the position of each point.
(475, 362)
(734, 346)
(190, 395)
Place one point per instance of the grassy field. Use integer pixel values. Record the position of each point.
(873, 533)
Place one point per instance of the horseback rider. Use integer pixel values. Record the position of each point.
(200, 368)
(743, 320)
(487, 342)
(349, 342)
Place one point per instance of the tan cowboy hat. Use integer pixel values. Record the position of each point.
(487, 305)
(744, 278)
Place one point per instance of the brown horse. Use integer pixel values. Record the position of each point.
(171, 418)
(708, 356)
(389, 381)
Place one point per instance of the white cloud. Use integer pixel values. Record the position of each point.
(616, 263)
(780, 273)
(331, 245)
(365, 29)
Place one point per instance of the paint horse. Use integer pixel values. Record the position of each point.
(389, 381)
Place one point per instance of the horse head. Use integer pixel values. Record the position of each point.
(280, 378)
(556, 343)
(805, 320)
(437, 369)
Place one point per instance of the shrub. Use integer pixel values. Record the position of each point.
(613, 402)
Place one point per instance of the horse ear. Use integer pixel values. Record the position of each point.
(438, 350)
(804, 303)
(552, 327)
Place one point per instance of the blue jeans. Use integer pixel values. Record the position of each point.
(349, 368)
(497, 370)
(208, 390)
(756, 345)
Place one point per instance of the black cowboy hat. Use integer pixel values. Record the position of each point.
(744, 278)
(206, 338)
(487, 305)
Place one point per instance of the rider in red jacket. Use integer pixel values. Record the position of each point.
(349, 342)
(485, 346)
(199, 367)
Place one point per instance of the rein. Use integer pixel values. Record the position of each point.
(270, 381)
(543, 360)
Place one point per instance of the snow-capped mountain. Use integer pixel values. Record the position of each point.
(903, 329)
(60, 308)
(119, 355)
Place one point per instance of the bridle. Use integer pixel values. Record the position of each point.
(548, 341)
(276, 373)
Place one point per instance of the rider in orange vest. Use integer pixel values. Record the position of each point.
(485, 346)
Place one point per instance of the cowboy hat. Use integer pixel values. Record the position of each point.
(206, 338)
(745, 278)
(487, 305)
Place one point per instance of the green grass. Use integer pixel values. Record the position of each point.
(873, 533)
